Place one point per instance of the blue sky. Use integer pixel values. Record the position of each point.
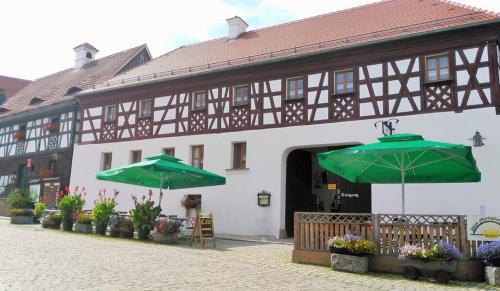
(38, 41)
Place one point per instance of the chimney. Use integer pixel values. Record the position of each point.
(84, 53)
(236, 26)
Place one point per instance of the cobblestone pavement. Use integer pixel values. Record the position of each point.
(37, 259)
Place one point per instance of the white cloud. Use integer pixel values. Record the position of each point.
(37, 37)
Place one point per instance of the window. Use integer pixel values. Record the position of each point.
(295, 88)
(110, 113)
(344, 82)
(197, 156)
(88, 55)
(239, 155)
(145, 108)
(437, 68)
(169, 151)
(240, 95)
(135, 156)
(107, 159)
(199, 100)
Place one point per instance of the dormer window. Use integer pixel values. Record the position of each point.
(73, 90)
(110, 113)
(35, 101)
(3, 110)
(437, 68)
(89, 55)
(145, 108)
(295, 88)
(344, 82)
(199, 100)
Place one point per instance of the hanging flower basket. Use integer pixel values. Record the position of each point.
(51, 127)
(20, 135)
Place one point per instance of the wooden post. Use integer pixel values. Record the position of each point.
(464, 242)
(376, 231)
(296, 231)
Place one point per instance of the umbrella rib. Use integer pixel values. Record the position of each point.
(460, 159)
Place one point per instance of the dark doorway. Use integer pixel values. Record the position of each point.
(309, 188)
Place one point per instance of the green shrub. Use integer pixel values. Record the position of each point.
(145, 213)
(104, 208)
(19, 198)
(39, 209)
(71, 204)
(83, 218)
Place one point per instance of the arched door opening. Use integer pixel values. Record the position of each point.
(309, 188)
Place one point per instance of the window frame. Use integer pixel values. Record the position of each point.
(247, 99)
(164, 150)
(242, 159)
(141, 106)
(106, 113)
(287, 83)
(193, 99)
(344, 71)
(131, 158)
(437, 68)
(201, 158)
(103, 160)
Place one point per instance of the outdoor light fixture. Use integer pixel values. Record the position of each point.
(264, 198)
(387, 126)
(477, 140)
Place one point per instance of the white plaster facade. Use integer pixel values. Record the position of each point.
(234, 205)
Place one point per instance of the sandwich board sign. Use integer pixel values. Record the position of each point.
(203, 229)
(483, 228)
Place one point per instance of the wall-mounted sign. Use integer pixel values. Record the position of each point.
(485, 228)
(349, 195)
(332, 186)
(263, 198)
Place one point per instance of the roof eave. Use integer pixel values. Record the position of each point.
(159, 80)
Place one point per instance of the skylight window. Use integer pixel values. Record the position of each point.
(36, 100)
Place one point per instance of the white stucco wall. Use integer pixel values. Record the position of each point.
(234, 205)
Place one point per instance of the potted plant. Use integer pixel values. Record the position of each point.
(489, 253)
(191, 202)
(351, 253)
(144, 215)
(121, 226)
(39, 210)
(70, 204)
(83, 222)
(51, 127)
(20, 204)
(104, 207)
(52, 220)
(166, 229)
(439, 260)
(19, 135)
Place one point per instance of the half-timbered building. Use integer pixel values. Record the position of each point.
(257, 106)
(37, 124)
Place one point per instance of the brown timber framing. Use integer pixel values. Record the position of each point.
(258, 76)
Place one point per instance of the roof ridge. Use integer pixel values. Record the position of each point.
(476, 9)
(14, 78)
(99, 59)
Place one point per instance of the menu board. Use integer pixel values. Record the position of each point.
(204, 229)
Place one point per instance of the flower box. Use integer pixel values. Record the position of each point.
(441, 269)
(21, 219)
(492, 275)
(51, 127)
(20, 135)
(167, 238)
(52, 221)
(348, 263)
(83, 228)
(121, 226)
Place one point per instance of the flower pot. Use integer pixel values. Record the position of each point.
(441, 269)
(164, 238)
(51, 223)
(348, 263)
(67, 225)
(143, 234)
(83, 228)
(21, 219)
(492, 275)
(101, 228)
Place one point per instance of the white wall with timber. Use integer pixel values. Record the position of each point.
(234, 205)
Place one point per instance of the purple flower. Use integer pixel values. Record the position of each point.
(490, 253)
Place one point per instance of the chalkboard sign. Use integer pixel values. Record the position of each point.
(204, 229)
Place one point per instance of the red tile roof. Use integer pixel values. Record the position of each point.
(373, 22)
(11, 86)
(55, 88)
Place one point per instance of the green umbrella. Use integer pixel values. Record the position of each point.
(403, 158)
(161, 171)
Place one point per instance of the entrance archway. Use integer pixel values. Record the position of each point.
(309, 188)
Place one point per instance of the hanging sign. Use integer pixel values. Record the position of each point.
(203, 229)
(484, 228)
(332, 186)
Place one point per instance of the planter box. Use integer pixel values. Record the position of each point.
(441, 270)
(348, 263)
(169, 238)
(83, 228)
(492, 275)
(21, 219)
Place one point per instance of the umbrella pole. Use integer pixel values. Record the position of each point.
(403, 190)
